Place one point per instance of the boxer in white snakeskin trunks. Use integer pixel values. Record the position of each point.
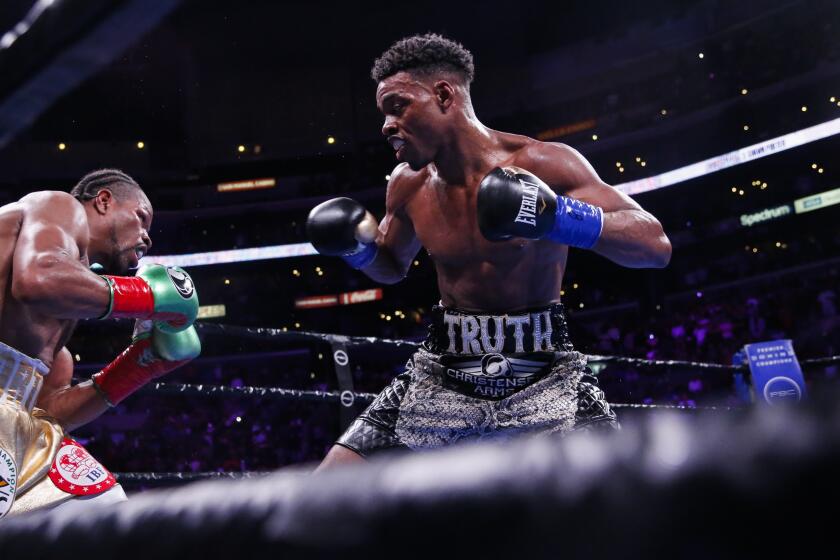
(497, 213)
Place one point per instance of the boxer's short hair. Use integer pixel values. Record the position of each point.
(426, 55)
(116, 181)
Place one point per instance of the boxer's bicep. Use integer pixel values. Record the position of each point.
(51, 235)
(396, 231)
(397, 235)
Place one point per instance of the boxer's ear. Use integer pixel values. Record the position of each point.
(444, 94)
(103, 200)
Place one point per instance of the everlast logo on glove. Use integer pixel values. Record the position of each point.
(182, 282)
(528, 208)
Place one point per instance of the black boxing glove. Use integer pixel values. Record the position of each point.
(513, 203)
(342, 227)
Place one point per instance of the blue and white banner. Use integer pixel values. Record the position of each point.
(777, 377)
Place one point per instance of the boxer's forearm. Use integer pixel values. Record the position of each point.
(633, 238)
(385, 268)
(62, 290)
(74, 406)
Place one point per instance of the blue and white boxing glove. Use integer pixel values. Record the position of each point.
(342, 227)
(514, 203)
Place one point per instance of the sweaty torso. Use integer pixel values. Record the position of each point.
(475, 274)
(21, 327)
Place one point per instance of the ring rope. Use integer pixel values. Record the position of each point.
(265, 333)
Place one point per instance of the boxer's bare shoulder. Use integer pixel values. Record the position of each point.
(403, 185)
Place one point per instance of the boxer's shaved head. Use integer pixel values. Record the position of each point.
(429, 55)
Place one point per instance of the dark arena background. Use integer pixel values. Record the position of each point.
(720, 118)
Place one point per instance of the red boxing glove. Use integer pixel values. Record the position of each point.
(151, 355)
(132, 297)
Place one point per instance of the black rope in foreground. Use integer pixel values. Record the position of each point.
(710, 488)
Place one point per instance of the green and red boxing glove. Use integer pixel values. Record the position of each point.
(165, 294)
(152, 353)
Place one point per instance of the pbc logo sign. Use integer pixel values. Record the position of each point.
(782, 390)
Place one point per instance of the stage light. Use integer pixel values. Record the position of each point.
(700, 55)
(744, 91)
(618, 164)
(746, 127)
(734, 189)
(240, 148)
(594, 136)
(141, 145)
(663, 112)
(62, 146)
(803, 108)
(330, 140)
(621, 170)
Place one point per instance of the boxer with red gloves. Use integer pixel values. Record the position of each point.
(49, 240)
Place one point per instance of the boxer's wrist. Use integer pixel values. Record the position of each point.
(576, 223)
(165, 294)
(364, 254)
(131, 297)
